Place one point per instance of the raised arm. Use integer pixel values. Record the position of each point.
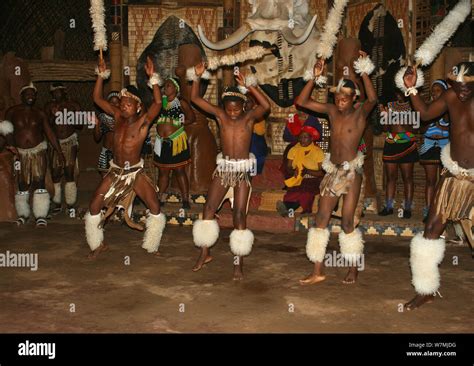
(263, 104)
(98, 92)
(97, 133)
(427, 111)
(189, 116)
(155, 107)
(371, 100)
(196, 98)
(304, 100)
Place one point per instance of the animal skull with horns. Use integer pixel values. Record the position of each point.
(269, 15)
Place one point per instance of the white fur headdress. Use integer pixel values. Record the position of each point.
(213, 63)
(443, 31)
(97, 12)
(328, 39)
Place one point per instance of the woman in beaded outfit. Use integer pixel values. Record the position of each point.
(171, 151)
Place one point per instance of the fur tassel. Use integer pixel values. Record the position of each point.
(352, 245)
(425, 257)
(97, 12)
(420, 79)
(70, 193)
(331, 29)
(433, 45)
(22, 204)
(364, 65)
(41, 203)
(6, 127)
(155, 224)
(241, 242)
(94, 234)
(205, 233)
(316, 244)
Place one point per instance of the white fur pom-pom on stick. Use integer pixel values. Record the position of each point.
(432, 46)
(331, 29)
(97, 12)
(364, 65)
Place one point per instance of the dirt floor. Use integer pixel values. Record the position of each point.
(128, 290)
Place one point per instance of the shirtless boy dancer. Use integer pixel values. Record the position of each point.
(454, 195)
(343, 166)
(126, 177)
(234, 166)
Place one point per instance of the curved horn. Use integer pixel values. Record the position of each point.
(292, 39)
(230, 41)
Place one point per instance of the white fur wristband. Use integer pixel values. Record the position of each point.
(410, 91)
(321, 81)
(191, 74)
(103, 75)
(242, 89)
(155, 79)
(364, 65)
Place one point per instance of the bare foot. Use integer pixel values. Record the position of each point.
(351, 276)
(203, 259)
(417, 301)
(95, 253)
(312, 279)
(238, 274)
